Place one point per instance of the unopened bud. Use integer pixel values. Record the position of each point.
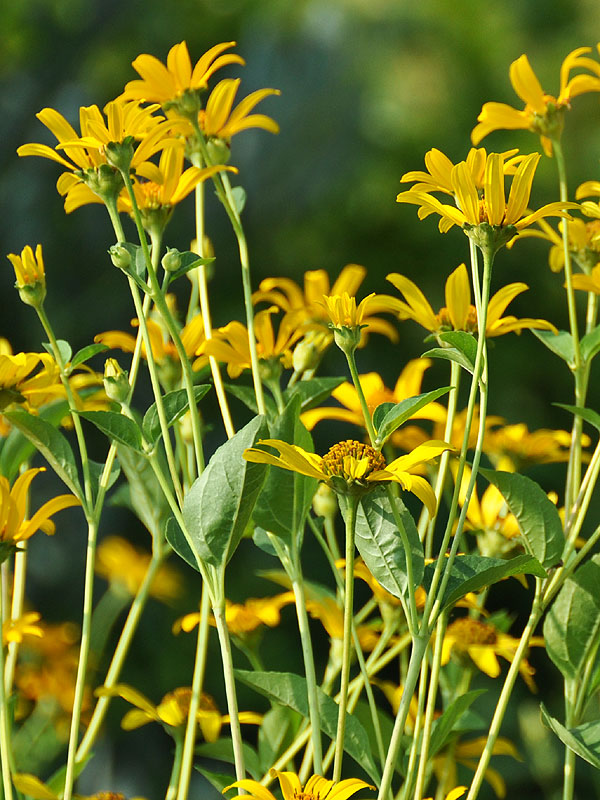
(324, 502)
(116, 383)
(120, 256)
(171, 260)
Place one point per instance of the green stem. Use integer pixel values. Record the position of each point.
(174, 779)
(18, 597)
(5, 722)
(197, 683)
(348, 614)
(416, 742)
(412, 617)
(361, 397)
(570, 757)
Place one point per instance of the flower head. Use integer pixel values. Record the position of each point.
(354, 467)
(218, 120)
(583, 240)
(514, 447)
(543, 114)
(459, 314)
(30, 274)
(125, 567)
(13, 630)
(243, 618)
(315, 788)
(21, 384)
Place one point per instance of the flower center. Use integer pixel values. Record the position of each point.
(443, 317)
(352, 460)
(470, 631)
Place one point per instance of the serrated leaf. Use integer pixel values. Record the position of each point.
(290, 690)
(445, 725)
(175, 405)
(537, 516)
(51, 444)
(219, 505)
(390, 419)
(64, 349)
(380, 545)
(312, 392)
(584, 740)
(286, 496)
(83, 355)
(117, 427)
(248, 398)
(590, 344)
(572, 626)
(472, 573)
(222, 750)
(560, 343)
(585, 413)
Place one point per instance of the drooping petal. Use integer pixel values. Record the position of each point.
(458, 297)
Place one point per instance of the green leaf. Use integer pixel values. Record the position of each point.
(83, 355)
(189, 261)
(472, 573)
(312, 392)
(278, 727)
(50, 443)
(290, 690)
(389, 419)
(286, 496)
(239, 198)
(16, 448)
(449, 354)
(572, 626)
(96, 470)
(538, 518)
(175, 405)
(560, 343)
(219, 505)
(64, 349)
(248, 398)
(585, 413)
(444, 725)
(584, 740)
(142, 492)
(463, 349)
(176, 538)
(222, 750)
(380, 545)
(590, 344)
(137, 268)
(217, 779)
(117, 427)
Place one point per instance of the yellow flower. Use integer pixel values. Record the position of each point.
(217, 120)
(173, 710)
(482, 642)
(325, 608)
(29, 270)
(459, 314)
(287, 295)
(15, 525)
(490, 207)
(454, 794)
(464, 752)
(583, 238)
(514, 447)
(243, 618)
(90, 177)
(230, 344)
(13, 630)
(316, 788)
(543, 113)
(162, 83)
(588, 283)
(126, 566)
(407, 385)
(353, 466)
(20, 386)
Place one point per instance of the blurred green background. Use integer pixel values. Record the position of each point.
(367, 87)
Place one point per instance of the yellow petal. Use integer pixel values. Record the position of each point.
(458, 297)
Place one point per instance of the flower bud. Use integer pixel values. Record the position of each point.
(120, 256)
(309, 351)
(218, 150)
(324, 502)
(171, 260)
(120, 154)
(116, 383)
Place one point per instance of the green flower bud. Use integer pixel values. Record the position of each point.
(116, 383)
(171, 260)
(120, 256)
(120, 154)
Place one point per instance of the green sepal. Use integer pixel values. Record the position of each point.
(572, 625)
(584, 740)
(290, 690)
(175, 405)
(117, 427)
(51, 444)
(219, 504)
(379, 543)
(7, 549)
(389, 416)
(537, 516)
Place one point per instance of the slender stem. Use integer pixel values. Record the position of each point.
(570, 757)
(197, 683)
(175, 771)
(348, 614)
(413, 617)
(232, 706)
(5, 723)
(361, 396)
(416, 742)
(18, 597)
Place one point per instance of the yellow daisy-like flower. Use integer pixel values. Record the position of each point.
(375, 391)
(125, 566)
(231, 345)
(89, 176)
(217, 120)
(543, 114)
(473, 208)
(14, 630)
(588, 283)
(352, 466)
(514, 447)
(482, 642)
(315, 788)
(15, 525)
(29, 267)
(243, 618)
(161, 83)
(173, 710)
(459, 314)
(583, 238)
(20, 384)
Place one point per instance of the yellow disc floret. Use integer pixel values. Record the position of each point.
(352, 460)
